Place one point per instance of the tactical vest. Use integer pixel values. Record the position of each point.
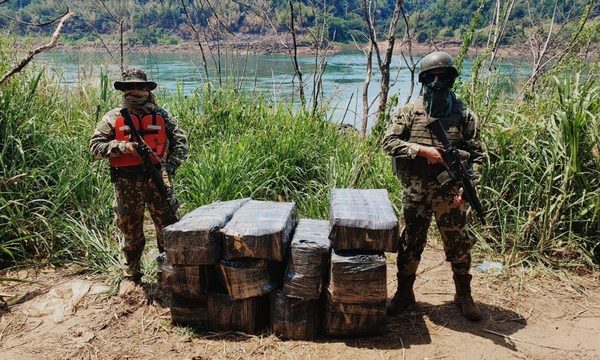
(420, 134)
(151, 129)
(453, 124)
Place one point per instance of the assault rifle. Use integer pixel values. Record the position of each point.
(144, 151)
(456, 168)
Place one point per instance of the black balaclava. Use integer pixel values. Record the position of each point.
(438, 96)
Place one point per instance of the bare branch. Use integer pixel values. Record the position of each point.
(35, 24)
(385, 67)
(37, 50)
(262, 13)
(110, 13)
(499, 32)
(197, 37)
(95, 33)
(367, 6)
(298, 72)
(365, 95)
(216, 14)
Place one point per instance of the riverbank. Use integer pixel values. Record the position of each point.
(283, 45)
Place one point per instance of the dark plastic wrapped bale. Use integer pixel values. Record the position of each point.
(363, 220)
(277, 272)
(245, 315)
(341, 319)
(260, 229)
(195, 239)
(309, 255)
(246, 278)
(293, 319)
(190, 314)
(358, 278)
(187, 284)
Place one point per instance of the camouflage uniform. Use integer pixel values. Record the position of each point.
(423, 195)
(133, 190)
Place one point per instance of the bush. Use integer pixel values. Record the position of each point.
(542, 178)
(422, 37)
(55, 202)
(342, 30)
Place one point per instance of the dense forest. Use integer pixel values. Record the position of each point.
(168, 21)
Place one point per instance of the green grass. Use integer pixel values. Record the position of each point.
(59, 207)
(540, 183)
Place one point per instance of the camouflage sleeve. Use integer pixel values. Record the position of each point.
(178, 145)
(103, 144)
(395, 139)
(472, 142)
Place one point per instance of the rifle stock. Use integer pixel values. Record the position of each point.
(144, 152)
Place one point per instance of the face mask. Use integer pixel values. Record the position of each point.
(439, 85)
(437, 94)
(139, 101)
(136, 93)
(438, 102)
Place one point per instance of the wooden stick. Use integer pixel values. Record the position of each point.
(37, 50)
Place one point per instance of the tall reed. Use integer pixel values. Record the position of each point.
(542, 180)
(57, 207)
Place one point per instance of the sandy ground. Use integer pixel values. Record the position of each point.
(527, 315)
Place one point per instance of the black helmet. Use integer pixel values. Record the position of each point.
(437, 60)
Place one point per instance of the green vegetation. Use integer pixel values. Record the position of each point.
(55, 203)
(541, 182)
(164, 22)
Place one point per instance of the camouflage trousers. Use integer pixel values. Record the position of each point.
(422, 199)
(132, 195)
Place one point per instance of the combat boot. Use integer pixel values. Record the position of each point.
(132, 269)
(404, 297)
(463, 299)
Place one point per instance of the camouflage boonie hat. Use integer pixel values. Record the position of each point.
(134, 76)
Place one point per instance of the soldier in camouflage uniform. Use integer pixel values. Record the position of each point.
(418, 162)
(133, 189)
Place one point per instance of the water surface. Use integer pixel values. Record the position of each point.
(343, 79)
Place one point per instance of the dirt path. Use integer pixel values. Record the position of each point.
(526, 316)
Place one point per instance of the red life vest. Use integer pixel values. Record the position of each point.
(153, 131)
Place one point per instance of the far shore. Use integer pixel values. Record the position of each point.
(271, 45)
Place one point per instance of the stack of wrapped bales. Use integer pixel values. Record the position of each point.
(294, 307)
(193, 246)
(255, 242)
(363, 226)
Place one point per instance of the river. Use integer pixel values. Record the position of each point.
(271, 75)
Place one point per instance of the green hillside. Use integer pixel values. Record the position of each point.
(165, 22)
